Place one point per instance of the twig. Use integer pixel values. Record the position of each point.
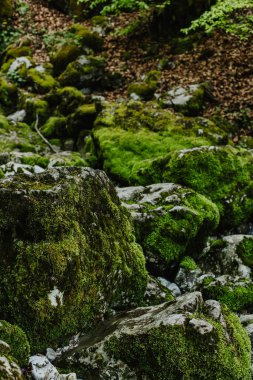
(41, 136)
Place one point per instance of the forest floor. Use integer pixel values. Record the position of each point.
(222, 60)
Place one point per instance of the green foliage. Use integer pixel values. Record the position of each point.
(8, 34)
(116, 5)
(222, 15)
(188, 263)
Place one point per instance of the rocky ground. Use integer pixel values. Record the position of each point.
(126, 199)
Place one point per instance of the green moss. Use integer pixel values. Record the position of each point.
(8, 93)
(4, 123)
(86, 37)
(128, 137)
(65, 55)
(84, 72)
(82, 119)
(15, 52)
(179, 352)
(17, 340)
(41, 82)
(142, 89)
(94, 266)
(188, 263)
(33, 106)
(236, 296)
(245, 251)
(221, 174)
(68, 99)
(54, 127)
(175, 233)
(35, 159)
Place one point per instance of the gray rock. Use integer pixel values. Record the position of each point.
(42, 369)
(18, 63)
(171, 286)
(224, 259)
(9, 370)
(16, 117)
(246, 319)
(187, 280)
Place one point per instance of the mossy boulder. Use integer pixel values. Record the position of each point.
(34, 105)
(17, 340)
(145, 89)
(14, 52)
(86, 37)
(82, 119)
(186, 339)
(66, 54)
(8, 93)
(223, 174)
(86, 72)
(55, 126)
(230, 255)
(41, 81)
(65, 261)
(6, 9)
(129, 136)
(170, 220)
(66, 100)
(188, 100)
(142, 90)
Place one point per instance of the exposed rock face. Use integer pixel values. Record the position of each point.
(169, 219)
(67, 253)
(185, 339)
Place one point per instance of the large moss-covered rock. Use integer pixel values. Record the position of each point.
(187, 339)
(129, 136)
(64, 260)
(169, 219)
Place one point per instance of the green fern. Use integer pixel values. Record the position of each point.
(219, 17)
